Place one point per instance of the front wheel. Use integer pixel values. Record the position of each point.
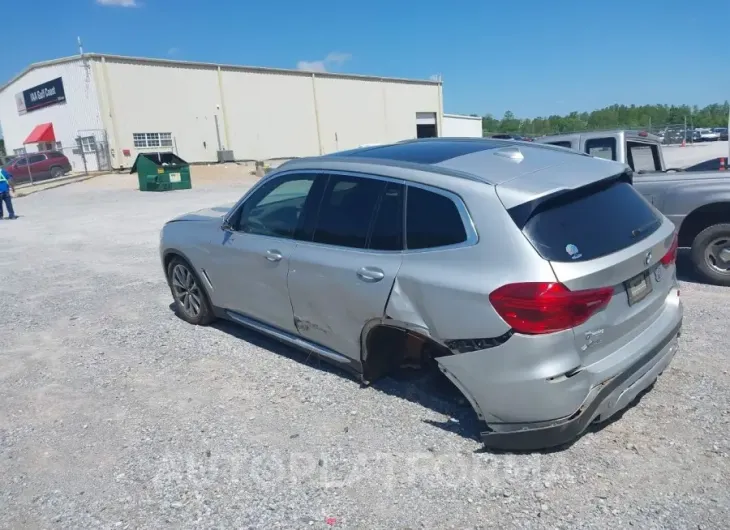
(56, 172)
(711, 254)
(191, 301)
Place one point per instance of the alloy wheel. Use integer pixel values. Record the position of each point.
(186, 291)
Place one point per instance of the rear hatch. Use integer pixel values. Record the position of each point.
(603, 235)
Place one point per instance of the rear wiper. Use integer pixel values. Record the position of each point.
(636, 232)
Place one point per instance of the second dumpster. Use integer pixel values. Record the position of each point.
(161, 172)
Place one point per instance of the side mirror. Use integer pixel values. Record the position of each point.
(226, 226)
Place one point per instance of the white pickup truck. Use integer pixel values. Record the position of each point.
(698, 203)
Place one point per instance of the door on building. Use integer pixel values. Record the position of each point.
(426, 125)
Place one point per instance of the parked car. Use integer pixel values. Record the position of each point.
(708, 135)
(39, 166)
(698, 203)
(503, 264)
(722, 131)
(501, 136)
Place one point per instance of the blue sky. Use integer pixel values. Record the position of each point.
(533, 57)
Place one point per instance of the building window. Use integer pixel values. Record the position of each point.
(59, 146)
(19, 152)
(162, 139)
(88, 144)
(140, 140)
(153, 139)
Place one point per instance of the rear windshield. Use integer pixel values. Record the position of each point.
(590, 224)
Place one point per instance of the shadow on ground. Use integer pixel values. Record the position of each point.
(430, 390)
(686, 271)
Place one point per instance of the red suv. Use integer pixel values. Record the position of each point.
(40, 166)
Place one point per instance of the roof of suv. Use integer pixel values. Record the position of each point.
(523, 171)
(489, 160)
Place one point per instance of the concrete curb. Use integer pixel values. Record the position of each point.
(30, 190)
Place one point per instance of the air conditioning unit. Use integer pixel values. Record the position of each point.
(225, 156)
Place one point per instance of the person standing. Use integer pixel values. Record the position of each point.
(6, 185)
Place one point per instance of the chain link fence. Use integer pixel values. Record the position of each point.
(87, 152)
(669, 134)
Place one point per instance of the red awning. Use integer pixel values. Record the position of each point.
(41, 133)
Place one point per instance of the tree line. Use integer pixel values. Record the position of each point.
(648, 117)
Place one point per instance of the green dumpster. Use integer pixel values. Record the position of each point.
(161, 172)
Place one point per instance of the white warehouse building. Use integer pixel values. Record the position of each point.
(103, 110)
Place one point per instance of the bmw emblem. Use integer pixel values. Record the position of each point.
(658, 274)
(647, 259)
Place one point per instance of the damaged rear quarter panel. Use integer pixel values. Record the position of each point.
(446, 290)
(445, 293)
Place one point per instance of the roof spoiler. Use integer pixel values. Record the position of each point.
(522, 213)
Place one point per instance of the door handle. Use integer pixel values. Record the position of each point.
(370, 274)
(273, 255)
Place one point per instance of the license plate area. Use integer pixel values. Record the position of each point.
(638, 287)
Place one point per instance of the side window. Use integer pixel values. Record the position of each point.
(602, 148)
(274, 209)
(34, 159)
(432, 220)
(643, 157)
(387, 232)
(346, 211)
(22, 162)
(562, 143)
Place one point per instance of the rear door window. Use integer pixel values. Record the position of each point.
(602, 148)
(346, 211)
(387, 232)
(643, 157)
(432, 220)
(593, 222)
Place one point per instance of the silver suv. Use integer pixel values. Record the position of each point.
(536, 279)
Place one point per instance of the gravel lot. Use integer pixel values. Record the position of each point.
(116, 414)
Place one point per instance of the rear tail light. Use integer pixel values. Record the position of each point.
(537, 308)
(671, 255)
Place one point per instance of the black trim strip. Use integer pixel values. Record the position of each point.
(522, 213)
(469, 345)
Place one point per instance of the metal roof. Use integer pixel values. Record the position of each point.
(222, 66)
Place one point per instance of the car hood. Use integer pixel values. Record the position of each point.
(206, 214)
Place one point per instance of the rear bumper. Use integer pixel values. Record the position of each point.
(603, 401)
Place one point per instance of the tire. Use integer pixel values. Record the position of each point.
(56, 172)
(191, 300)
(707, 257)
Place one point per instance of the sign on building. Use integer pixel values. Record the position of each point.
(49, 93)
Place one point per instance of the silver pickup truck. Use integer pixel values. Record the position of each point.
(698, 203)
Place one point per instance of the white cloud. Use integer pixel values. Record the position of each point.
(118, 3)
(312, 66)
(337, 58)
(332, 59)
